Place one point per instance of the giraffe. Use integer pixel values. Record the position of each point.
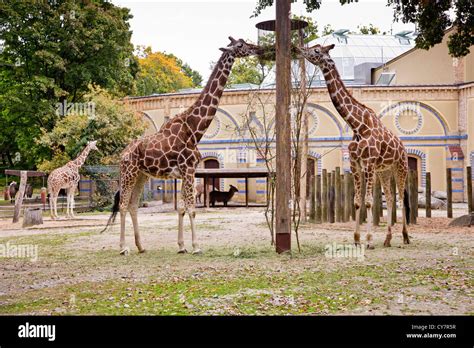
(67, 177)
(172, 152)
(374, 149)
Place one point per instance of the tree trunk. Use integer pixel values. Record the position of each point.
(33, 216)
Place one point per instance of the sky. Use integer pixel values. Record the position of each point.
(194, 30)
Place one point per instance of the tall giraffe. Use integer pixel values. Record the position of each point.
(374, 149)
(172, 151)
(67, 177)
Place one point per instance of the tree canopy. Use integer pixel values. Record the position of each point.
(111, 123)
(431, 17)
(52, 52)
(162, 73)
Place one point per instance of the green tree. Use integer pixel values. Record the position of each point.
(160, 73)
(111, 123)
(254, 70)
(327, 30)
(52, 51)
(432, 19)
(368, 29)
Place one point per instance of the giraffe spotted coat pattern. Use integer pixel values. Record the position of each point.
(374, 149)
(172, 151)
(67, 177)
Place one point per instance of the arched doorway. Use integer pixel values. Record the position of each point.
(310, 175)
(412, 163)
(212, 163)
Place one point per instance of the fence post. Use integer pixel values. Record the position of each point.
(324, 197)
(318, 199)
(469, 189)
(347, 197)
(428, 194)
(415, 179)
(312, 212)
(352, 189)
(449, 192)
(331, 209)
(413, 195)
(337, 190)
(376, 202)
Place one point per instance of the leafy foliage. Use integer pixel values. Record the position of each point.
(113, 125)
(369, 29)
(52, 51)
(162, 73)
(432, 19)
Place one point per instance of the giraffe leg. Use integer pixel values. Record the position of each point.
(125, 194)
(369, 179)
(133, 209)
(52, 201)
(385, 180)
(401, 178)
(67, 203)
(71, 208)
(357, 198)
(181, 211)
(189, 199)
(55, 203)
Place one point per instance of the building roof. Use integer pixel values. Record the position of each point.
(352, 50)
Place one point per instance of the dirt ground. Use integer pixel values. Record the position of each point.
(79, 271)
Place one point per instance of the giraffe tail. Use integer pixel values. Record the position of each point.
(406, 203)
(115, 210)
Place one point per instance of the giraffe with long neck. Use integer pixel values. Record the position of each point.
(374, 149)
(67, 177)
(172, 151)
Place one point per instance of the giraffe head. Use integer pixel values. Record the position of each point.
(318, 55)
(92, 145)
(240, 48)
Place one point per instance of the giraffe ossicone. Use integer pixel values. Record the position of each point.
(172, 151)
(67, 177)
(374, 149)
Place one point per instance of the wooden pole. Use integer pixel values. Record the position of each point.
(428, 194)
(352, 188)
(324, 197)
(304, 134)
(376, 202)
(449, 192)
(469, 189)
(337, 190)
(318, 199)
(415, 201)
(312, 190)
(19, 195)
(347, 197)
(332, 194)
(283, 127)
(394, 205)
(413, 195)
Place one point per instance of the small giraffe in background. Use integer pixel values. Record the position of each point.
(67, 177)
(172, 152)
(374, 149)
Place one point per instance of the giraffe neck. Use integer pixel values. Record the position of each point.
(344, 102)
(202, 112)
(79, 161)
